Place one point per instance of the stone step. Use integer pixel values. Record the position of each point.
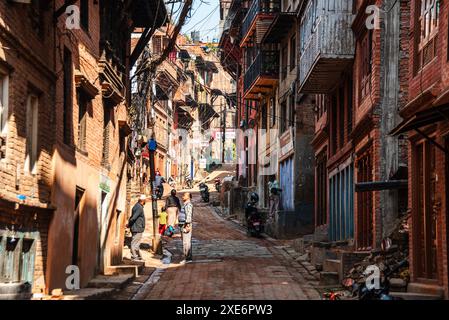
(332, 265)
(124, 269)
(88, 294)
(426, 289)
(415, 296)
(398, 285)
(329, 278)
(115, 282)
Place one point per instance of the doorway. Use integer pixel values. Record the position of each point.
(425, 214)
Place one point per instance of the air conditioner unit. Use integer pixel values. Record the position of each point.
(21, 1)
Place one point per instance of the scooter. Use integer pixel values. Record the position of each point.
(204, 191)
(217, 182)
(254, 221)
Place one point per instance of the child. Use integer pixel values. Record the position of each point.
(162, 221)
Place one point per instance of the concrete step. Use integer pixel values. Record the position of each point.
(415, 296)
(398, 285)
(329, 278)
(124, 269)
(332, 265)
(426, 289)
(115, 282)
(88, 294)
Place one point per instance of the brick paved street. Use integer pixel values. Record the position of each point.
(227, 265)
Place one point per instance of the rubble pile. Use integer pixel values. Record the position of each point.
(393, 252)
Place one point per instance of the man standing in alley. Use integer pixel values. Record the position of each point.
(137, 225)
(186, 231)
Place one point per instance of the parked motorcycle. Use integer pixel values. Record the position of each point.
(254, 221)
(204, 191)
(217, 183)
(189, 182)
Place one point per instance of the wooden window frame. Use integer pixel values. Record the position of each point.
(426, 32)
(32, 133)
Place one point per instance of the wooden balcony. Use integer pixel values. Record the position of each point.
(262, 75)
(328, 44)
(258, 19)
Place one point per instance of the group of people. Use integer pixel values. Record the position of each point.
(172, 214)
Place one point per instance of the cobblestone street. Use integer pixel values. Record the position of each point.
(227, 265)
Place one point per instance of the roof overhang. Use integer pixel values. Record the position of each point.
(422, 119)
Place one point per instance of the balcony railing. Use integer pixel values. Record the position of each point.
(327, 47)
(259, 6)
(265, 64)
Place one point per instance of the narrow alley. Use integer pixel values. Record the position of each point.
(227, 264)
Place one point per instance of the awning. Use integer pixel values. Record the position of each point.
(185, 119)
(279, 28)
(422, 119)
(381, 185)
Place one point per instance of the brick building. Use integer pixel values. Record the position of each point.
(64, 130)
(27, 118)
(360, 170)
(425, 114)
(260, 49)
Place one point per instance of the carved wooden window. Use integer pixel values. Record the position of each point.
(428, 22)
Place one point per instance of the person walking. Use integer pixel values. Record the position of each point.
(186, 231)
(162, 221)
(173, 205)
(137, 225)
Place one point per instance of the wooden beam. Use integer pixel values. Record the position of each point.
(140, 46)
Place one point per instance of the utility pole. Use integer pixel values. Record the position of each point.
(152, 146)
(223, 137)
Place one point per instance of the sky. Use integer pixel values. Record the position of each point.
(205, 18)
